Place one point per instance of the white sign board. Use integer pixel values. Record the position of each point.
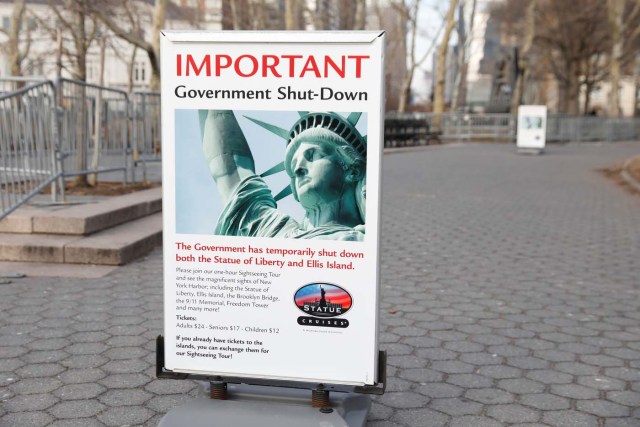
(532, 126)
(260, 283)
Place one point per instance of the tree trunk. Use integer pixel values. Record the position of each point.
(292, 14)
(59, 56)
(573, 90)
(15, 60)
(407, 16)
(523, 57)
(569, 89)
(159, 15)
(588, 88)
(616, 11)
(261, 22)
(80, 73)
(405, 92)
(636, 84)
(92, 179)
(131, 67)
(235, 15)
(361, 15)
(441, 67)
(79, 40)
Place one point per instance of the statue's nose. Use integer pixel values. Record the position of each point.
(300, 171)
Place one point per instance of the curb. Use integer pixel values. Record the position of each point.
(628, 178)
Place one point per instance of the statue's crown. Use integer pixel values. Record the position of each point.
(342, 127)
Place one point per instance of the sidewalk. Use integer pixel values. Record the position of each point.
(510, 296)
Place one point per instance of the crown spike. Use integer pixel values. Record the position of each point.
(284, 134)
(277, 168)
(302, 113)
(353, 118)
(286, 191)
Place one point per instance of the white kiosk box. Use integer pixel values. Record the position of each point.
(532, 128)
(260, 288)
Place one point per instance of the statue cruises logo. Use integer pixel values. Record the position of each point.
(323, 301)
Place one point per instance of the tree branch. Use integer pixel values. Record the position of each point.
(121, 32)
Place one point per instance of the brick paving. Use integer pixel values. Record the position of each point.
(510, 296)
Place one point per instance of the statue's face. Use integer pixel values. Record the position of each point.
(317, 176)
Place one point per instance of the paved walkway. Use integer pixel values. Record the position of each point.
(510, 296)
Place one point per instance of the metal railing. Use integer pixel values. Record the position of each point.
(29, 159)
(93, 129)
(561, 128)
(12, 84)
(81, 129)
(52, 131)
(146, 130)
(410, 129)
(475, 127)
(405, 129)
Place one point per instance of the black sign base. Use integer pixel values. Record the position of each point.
(252, 406)
(377, 388)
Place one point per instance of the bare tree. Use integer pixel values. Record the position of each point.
(75, 22)
(624, 23)
(236, 17)
(92, 179)
(361, 15)
(293, 15)
(441, 64)
(13, 46)
(252, 15)
(407, 14)
(136, 38)
(616, 22)
(570, 41)
(259, 11)
(523, 64)
(636, 86)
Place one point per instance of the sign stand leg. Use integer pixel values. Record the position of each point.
(218, 390)
(320, 398)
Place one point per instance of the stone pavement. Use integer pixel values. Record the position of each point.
(510, 296)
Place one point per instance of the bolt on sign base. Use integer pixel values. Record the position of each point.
(250, 406)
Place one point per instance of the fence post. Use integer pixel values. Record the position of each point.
(57, 159)
(610, 129)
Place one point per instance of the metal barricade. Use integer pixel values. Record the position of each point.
(146, 130)
(401, 129)
(93, 129)
(420, 128)
(405, 130)
(29, 159)
(11, 84)
(460, 127)
(562, 128)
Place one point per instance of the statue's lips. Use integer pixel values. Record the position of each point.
(303, 181)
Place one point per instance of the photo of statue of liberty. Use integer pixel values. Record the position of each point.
(325, 160)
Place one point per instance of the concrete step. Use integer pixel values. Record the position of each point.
(114, 246)
(83, 219)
